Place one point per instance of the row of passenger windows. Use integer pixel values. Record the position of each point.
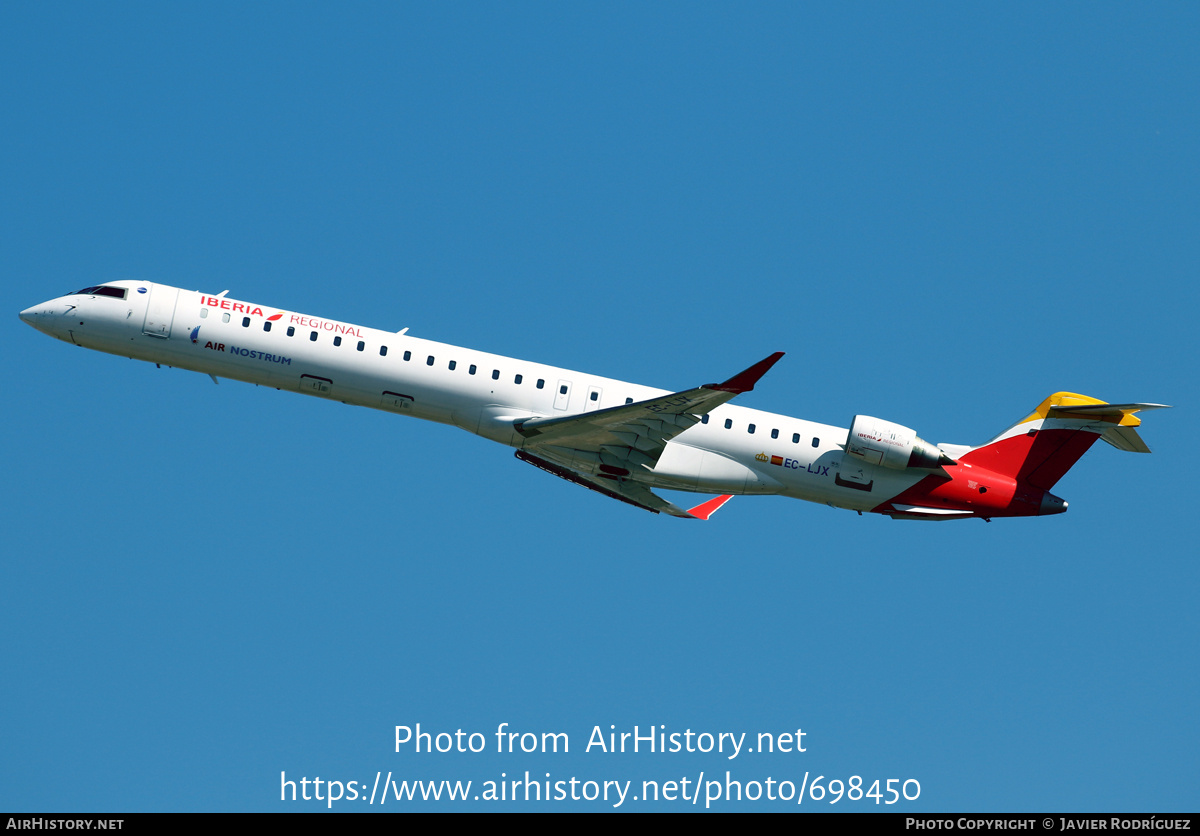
(472, 369)
(752, 428)
(383, 350)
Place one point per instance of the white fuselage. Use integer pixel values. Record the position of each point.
(736, 450)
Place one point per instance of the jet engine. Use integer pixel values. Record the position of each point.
(890, 445)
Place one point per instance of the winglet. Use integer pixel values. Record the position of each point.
(744, 381)
(706, 509)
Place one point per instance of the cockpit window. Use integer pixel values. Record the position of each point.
(102, 290)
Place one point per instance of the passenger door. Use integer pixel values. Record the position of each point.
(160, 311)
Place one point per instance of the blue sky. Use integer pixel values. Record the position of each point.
(942, 213)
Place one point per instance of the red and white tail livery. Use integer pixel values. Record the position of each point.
(619, 439)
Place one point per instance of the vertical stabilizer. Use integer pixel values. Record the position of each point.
(1038, 450)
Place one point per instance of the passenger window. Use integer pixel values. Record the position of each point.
(774, 433)
(245, 322)
(816, 442)
(562, 390)
(204, 313)
(337, 340)
(291, 331)
(595, 396)
(312, 336)
(729, 423)
(704, 418)
(541, 384)
(495, 374)
(383, 351)
(795, 438)
(407, 356)
(453, 365)
(517, 380)
(629, 400)
(472, 369)
(750, 429)
(267, 325)
(361, 345)
(429, 360)
(225, 317)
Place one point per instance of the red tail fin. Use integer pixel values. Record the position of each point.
(1038, 450)
(1038, 457)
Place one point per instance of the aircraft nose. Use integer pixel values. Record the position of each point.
(44, 317)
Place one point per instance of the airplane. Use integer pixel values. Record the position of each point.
(616, 438)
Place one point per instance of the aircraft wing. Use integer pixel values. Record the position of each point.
(637, 433)
(601, 450)
(622, 489)
(627, 491)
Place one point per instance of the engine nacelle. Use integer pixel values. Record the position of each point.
(890, 445)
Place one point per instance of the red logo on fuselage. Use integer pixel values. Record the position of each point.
(230, 305)
(325, 325)
(302, 321)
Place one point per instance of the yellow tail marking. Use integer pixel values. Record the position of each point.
(1065, 400)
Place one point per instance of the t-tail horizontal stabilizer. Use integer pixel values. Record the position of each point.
(1123, 434)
